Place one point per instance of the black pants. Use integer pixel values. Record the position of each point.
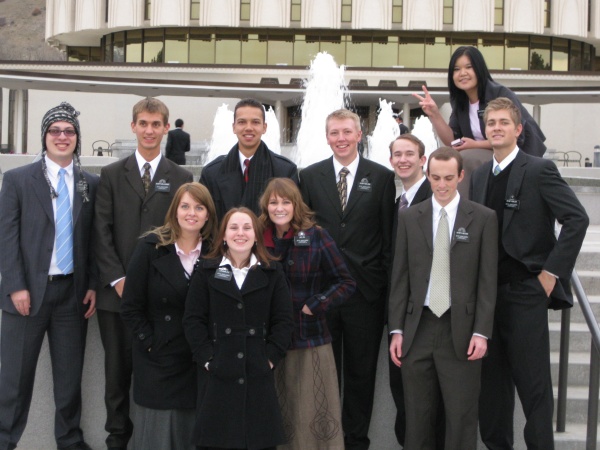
(116, 340)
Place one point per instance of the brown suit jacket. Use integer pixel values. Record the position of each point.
(473, 271)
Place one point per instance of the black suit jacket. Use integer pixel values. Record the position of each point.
(528, 232)
(27, 233)
(178, 143)
(124, 213)
(363, 232)
(531, 139)
(223, 178)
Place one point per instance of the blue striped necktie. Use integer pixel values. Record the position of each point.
(64, 227)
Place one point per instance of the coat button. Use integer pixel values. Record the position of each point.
(141, 336)
(252, 331)
(343, 225)
(241, 381)
(240, 355)
(290, 263)
(227, 330)
(167, 318)
(240, 306)
(322, 298)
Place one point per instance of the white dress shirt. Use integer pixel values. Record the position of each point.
(506, 161)
(352, 168)
(52, 170)
(241, 273)
(153, 164)
(412, 191)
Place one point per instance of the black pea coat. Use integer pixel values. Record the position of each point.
(238, 331)
(153, 305)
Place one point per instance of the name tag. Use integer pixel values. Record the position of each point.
(480, 113)
(223, 273)
(512, 203)
(461, 235)
(162, 186)
(301, 240)
(364, 185)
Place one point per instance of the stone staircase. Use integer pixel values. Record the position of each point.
(588, 269)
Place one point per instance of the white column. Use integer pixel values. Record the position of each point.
(537, 114)
(17, 120)
(406, 115)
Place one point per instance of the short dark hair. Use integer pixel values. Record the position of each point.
(178, 123)
(412, 138)
(251, 103)
(481, 72)
(446, 154)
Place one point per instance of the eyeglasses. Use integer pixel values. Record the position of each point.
(69, 132)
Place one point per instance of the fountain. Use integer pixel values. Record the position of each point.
(386, 130)
(325, 93)
(424, 131)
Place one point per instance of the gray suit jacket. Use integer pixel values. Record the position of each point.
(528, 232)
(27, 232)
(473, 271)
(123, 213)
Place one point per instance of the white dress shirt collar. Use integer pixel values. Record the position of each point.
(506, 161)
(412, 191)
(153, 164)
(241, 273)
(243, 158)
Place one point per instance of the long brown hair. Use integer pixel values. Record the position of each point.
(303, 217)
(259, 249)
(171, 231)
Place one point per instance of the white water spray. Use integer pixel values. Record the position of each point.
(424, 131)
(386, 130)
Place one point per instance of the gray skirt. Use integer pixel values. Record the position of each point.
(309, 397)
(166, 429)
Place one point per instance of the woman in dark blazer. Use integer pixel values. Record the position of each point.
(164, 375)
(238, 321)
(307, 379)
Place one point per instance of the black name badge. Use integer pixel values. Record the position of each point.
(512, 203)
(480, 113)
(301, 240)
(364, 185)
(162, 186)
(223, 273)
(461, 235)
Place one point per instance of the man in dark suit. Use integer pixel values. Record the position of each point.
(178, 144)
(441, 322)
(133, 196)
(354, 200)
(407, 158)
(239, 178)
(403, 128)
(534, 269)
(48, 279)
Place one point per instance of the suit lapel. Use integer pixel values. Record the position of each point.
(329, 186)
(480, 182)
(464, 216)
(42, 191)
(513, 187)
(169, 266)
(255, 280)
(132, 174)
(425, 220)
(77, 198)
(356, 195)
(162, 174)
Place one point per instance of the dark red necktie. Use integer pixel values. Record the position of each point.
(246, 165)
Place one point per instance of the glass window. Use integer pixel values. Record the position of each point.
(154, 46)
(359, 51)
(575, 56)
(133, 47)
(547, 13)
(228, 49)
(539, 58)
(560, 54)
(280, 49)
(498, 12)
(176, 45)
(95, 54)
(396, 11)
(296, 11)
(448, 12)
(194, 9)
(385, 53)
(78, 54)
(254, 51)
(118, 47)
(516, 52)
(305, 49)
(492, 49)
(107, 41)
(411, 51)
(202, 47)
(147, 9)
(346, 11)
(588, 56)
(244, 9)
(437, 52)
(335, 46)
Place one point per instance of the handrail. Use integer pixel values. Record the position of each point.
(594, 385)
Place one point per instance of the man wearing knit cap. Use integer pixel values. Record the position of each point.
(48, 279)
(133, 197)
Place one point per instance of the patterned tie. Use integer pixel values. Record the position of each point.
(246, 166)
(439, 294)
(343, 187)
(64, 226)
(403, 203)
(146, 178)
(497, 170)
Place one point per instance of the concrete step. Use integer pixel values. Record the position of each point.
(580, 337)
(578, 372)
(589, 257)
(590, 280)
(576, 312)
(573, 438)
(577, 403)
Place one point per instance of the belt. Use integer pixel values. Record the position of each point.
(59, 277)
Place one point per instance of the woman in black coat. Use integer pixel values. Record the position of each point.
(238, 321)
(164, 375)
